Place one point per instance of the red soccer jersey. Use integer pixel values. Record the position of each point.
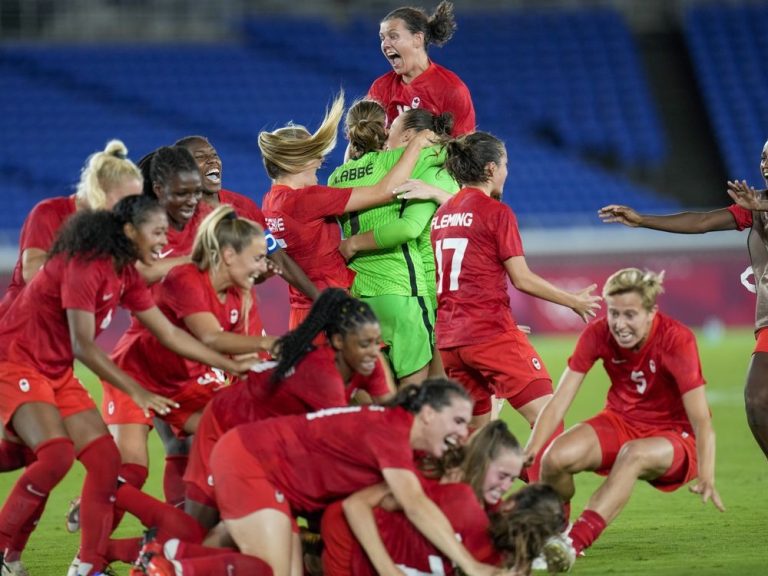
(437, 89)
(304, 223)
(186, 290)
(413, 553)
(35, 330)
(39, 231)
(247, 208)
(647, 385)
(323, 456)
(180, 242)
(742, 216)
(473, 235)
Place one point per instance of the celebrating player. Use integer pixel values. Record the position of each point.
(391, 273)
(302, 214)
(55, 320)
(477, 246)
(416, 81)
(656, 424)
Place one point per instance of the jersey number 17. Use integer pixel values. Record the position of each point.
(459, 247)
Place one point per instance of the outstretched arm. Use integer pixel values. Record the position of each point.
(747, 197)
(697, 409)
(681, 223)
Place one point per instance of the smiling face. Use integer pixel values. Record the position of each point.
(149, 237)
(245, 267)
(180, 197)
(209, 164)
(764, 163)
(404, 50)
(501, 472)
(444, 428)
(628, 320)
(357, 351)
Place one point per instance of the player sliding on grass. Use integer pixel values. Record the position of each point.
(656, 424)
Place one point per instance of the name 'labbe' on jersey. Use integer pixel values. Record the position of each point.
(448, 220)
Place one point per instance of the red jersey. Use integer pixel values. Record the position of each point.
(473, 235)
(180, 242)
(247, 208)
(39, 231)
(304, 223)
(742, 216)
(320, 457)
(186, 290)
(35, 330)
(413, 553)
(646, 385)
(437, 89)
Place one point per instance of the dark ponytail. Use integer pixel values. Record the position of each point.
(467, 157)
(434, 392)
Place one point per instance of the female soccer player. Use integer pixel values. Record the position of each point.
(470, 497)
(305, 379)
(54, 321)
(738, 216)
(656, 424)
(302, 214)
(477, 247)
(210, 166)
(107, 177)
(393, 272)
(415, 81)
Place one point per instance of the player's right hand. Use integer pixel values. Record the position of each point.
(621, 214)
(150, 402)
(587, 304)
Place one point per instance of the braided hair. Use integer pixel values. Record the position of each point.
(334, 312)
(95, 234)
(161, 165)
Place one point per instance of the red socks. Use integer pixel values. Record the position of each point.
(29, 494)
(229, 564)
(170, 521)
(14, 455)
(97, 503)
(174, 488)
(586, 529)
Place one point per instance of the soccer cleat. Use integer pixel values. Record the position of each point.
(14, 568)
(150, 549)
(159, 565)
(73, 516)
(559, 554)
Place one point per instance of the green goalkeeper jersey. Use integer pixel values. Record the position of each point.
(398, 266)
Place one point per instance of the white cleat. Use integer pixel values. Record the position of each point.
(558, 554)
(15, 568)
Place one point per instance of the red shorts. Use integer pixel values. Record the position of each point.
(118, 408)
(296, 316)
(241, 484)
(197, 475)
(507, 367)
(338, 542)
(613, 432)
(762, 340)
(20, 384)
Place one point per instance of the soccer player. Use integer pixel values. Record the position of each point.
(55, 320)
(656, 424)
(477, 247)
(416, 81)
(302, 215)
(392, 274)
(738, 216)
(511, 534)
(305, 379)
(210, 166)
(107, 177)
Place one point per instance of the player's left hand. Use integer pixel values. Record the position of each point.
(347, 249)
(707, 491)
(747, 197)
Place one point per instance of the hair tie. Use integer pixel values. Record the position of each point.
(120, 154)
(231, 215)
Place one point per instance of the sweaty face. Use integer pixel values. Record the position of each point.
(180, 197)
(150, 237)
(246, 267)
(400, 46)
(116, 192)
(628, 321)
(360, 349)
(447, 427)
(209, 164)
(501, 472)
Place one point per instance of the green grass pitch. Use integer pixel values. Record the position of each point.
(657, 533)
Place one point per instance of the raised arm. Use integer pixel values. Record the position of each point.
(680, 223)
(697, 409)
(584, 303)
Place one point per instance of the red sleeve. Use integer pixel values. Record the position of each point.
(742, 216)
(509, 242)
(587, 350)
(463, 111)
(80, 284)
(317, 202)
(376, 384)
(390, 440)
(375, 93)
(136, 296)
(40, 227)
(183, 292)
(681, 360)
(467, 517)
(244, 206)
(326, 391)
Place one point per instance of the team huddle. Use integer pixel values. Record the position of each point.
(366, 439)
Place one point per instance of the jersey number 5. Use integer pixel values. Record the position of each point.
(459, 247)
(638, 378)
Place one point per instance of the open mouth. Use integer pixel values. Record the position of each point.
(394, 58)
(213, 176)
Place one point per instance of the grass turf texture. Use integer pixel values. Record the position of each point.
(657, 533)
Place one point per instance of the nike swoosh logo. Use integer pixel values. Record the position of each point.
(618, 360)
(164, 254)
(107, 297)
